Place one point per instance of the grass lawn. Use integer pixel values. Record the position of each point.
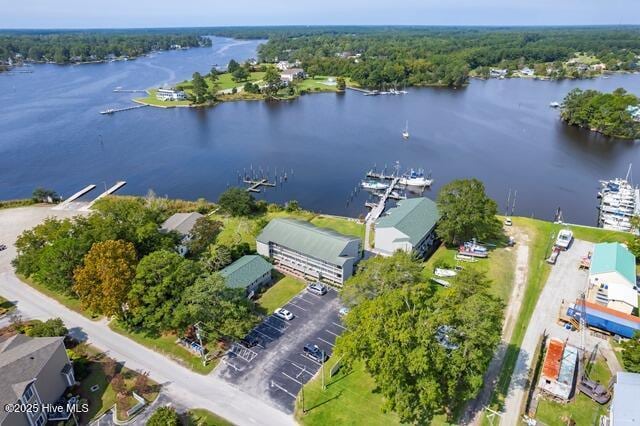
(224, 82)
(152, 100)
(317, 84)
(341, 225)
(279, 293)
(5, 306)
(582, 410)
(348, 400)
(68, 301)
(540, 240)
(166, 345)
(200, 416)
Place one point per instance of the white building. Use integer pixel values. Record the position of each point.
(612, 278)
(624, 409)
(283, 65)
(182, 223)
(410, 226)
(527, 72)
(291, 74)
(497, 73)
(309, 252)
(168, 94)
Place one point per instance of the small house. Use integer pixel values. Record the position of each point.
(287, 76)
(283, 65)
(612, 277)
(527, 72)
(182, 223)
(250, 273)
(497, 73)
(559, 370)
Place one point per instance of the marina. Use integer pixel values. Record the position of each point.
(619, 203)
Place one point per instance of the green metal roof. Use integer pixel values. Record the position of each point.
(245, 270)
(610, 257)
(414, 217)
(308, 239)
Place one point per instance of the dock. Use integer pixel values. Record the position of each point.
(117, 90)
(74, 197)
(109, 191)
(114, 110)
(377, 210)
(254, 185)
(375, 175)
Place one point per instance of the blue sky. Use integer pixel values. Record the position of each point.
(163, 13)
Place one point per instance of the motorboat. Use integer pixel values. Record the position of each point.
(563, 241)
(405, 132)
(415, 178)
(442, 272)
(374, 185)
(472, 248)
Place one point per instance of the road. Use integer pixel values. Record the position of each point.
(180, 384)
(565, 282)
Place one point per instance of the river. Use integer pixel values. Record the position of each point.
(500, 131)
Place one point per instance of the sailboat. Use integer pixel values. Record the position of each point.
(405, 132)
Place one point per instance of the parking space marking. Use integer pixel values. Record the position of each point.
(331, 332)
(299, 307)
(303, 299)
(230, 364)
(313, 295)
(309, 359)
(338, 325)
(275, 328)
(278, 322)
(289, 377)
(244, 353)
(328, 343)
(276, 385)
(271, 339)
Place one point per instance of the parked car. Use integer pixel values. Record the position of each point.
(317, 288)
(343, 311)
(315, 353)
(2, 247)
(251, 341)
(283, 314)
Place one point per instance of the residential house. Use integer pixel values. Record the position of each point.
(526, 71)
(287, 76)
(410, 227)
(624, 409)
(612, 278)
(182, 223)
(309, 252)
(559, 370)
(283, 65)
(250, 272)
(170, 94)
(34, 371)
(634, 111)
(598, 67)
(497, 73)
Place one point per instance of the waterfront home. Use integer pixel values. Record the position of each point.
(170, 94)
(497, 73)
(34, 371)
(526, 71)
(302, 249)
(559, 370)
(624, 409)
(634, 111)
(410, 227)
(283, 65)
(287, 76)
(598, 67)
(612, 278)
(250, 273)
(181, 223)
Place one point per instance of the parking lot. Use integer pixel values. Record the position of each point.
(275, 370)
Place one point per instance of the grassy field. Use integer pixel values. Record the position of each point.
(582, 410)
(279, 293)
(166, 345)
(153, 101)
(5, 306)
(202, 417)
(224, 82)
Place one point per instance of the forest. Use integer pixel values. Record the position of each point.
(81, 46)
(606, 113)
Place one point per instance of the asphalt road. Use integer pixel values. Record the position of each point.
(180, 384)
(275, 371)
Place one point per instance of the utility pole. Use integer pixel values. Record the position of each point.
(199, 336)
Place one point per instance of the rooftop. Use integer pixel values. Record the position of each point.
(613, 257)
(552, 360)
(624, 405)
(306, 238)
(245, 270)
(293, 71)
(414, 217)
(182, 223)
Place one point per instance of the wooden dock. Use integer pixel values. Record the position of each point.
(374, 175)
(74, 197)
(254, 185)
(114, 110)
(129, 91)
(109, 191)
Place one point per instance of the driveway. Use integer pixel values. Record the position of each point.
(180, 384)
(276, 370)
(565, 282)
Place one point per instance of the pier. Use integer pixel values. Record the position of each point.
(377, 210)
(114, 110)
(254, 185)
(118, 90)
(109, 191)
(374, 175)
(74, 197)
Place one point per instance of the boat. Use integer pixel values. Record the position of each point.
(472, 248)
(465, 258)
(441, 272)
(405, 132)
(619, 202)
(554, 105)
(372, 184)
(563, 241)
(415, 178)
(108, 111)
(440, 281)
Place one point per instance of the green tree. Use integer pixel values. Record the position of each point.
(240, 74)
(233, 65)
(203, 234)
(217, 258)
(104, 280)
(164, 416)
(50, 328)
(272, 81)
(237, 202)
(378, 275)
(466, 212)
(631, 354)
(341, 84)
(42, 195)
(161, 278)
(199, 87)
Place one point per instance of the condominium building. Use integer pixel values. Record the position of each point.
(309, 252)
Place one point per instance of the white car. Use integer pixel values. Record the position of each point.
(283, 314)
